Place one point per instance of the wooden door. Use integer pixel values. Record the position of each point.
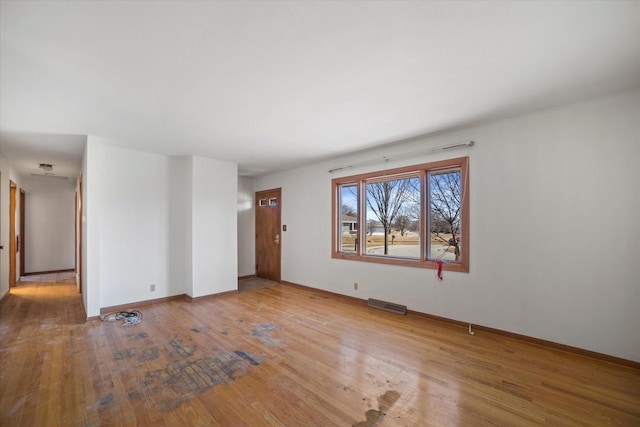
(268, 235)
(12, 233)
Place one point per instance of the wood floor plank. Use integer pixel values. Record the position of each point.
(283, 356)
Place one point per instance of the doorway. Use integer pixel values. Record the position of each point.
(12, 234)
(268, 238)
(78, 233)
(21, 246)
(1, 245)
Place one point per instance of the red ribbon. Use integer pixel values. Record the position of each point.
(439, 262)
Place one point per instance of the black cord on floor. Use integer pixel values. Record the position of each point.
(130, 317)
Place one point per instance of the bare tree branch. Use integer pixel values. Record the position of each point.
(386, 199)
(446, 205)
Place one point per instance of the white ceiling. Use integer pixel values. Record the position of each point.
(27, 151)
(271, 85)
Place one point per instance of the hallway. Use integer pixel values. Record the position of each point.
(41, 328)
(63, 277)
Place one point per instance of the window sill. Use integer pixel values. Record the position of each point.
(460, 266)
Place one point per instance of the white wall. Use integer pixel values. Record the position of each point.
(7, 173)
(246, 226)
(554, 234)
(91, 172)
(180, 259)
(49, 228)
(134, 226)
(155, 219)
(214, 226)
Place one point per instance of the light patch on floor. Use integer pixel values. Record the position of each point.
(263, 332)
(253, 283)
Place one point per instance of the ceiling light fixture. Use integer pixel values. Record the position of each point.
(46, 166)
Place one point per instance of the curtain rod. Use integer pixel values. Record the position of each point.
(404, 155)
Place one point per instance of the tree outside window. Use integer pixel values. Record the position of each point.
(414, 216)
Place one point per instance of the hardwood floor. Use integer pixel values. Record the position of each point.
(283, 355)
(253, 283)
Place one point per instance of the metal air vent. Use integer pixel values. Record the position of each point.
(387, 306)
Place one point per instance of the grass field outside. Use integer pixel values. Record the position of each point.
(407, 246)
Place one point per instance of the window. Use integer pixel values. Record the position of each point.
(413, 216)
(392, 216)
(348, 202)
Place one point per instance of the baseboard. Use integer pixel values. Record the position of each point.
(344, 298)
(479, 328)
(38, 273)
(84, 310)
(138, 304)
(250, 276)
(562, 347)
(210, 296)
(5, 295)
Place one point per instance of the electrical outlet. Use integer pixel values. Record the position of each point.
(152, 287)
(355, 286)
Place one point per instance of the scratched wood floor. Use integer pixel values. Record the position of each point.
(288, 356)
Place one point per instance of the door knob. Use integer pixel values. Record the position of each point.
(277, 240)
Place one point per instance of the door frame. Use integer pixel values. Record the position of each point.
(257, 197)
(78, 230)
(22, 250)
(12, 233)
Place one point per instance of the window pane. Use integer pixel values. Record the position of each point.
(445, 212)
(393, 217)
(348, 233)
